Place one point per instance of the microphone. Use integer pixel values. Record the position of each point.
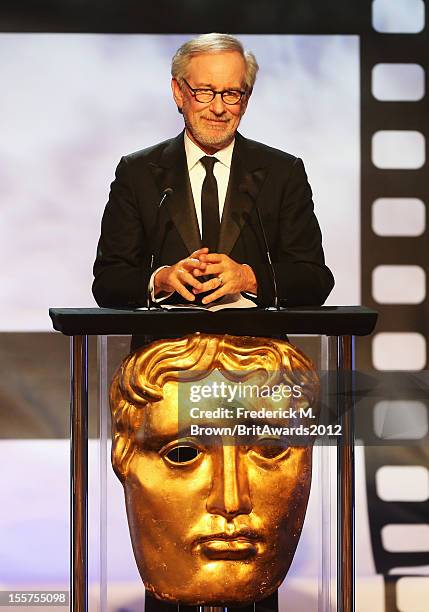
(157, 246)
(248, 219)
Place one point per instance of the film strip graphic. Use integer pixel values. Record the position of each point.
(395, 253)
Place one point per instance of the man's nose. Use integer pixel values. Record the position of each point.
(217, 105)
(229, 495)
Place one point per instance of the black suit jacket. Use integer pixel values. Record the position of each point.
(260, 176)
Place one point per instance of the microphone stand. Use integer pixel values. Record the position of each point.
(267, 253)
(165, 194)
(267, 250)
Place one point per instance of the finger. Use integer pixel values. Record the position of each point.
(215, 295)
(211, 269)
(193, 263)
(198, 252)
(212, 257)
(210, 285)
(200, 271)
(181, 290)
(185, 278)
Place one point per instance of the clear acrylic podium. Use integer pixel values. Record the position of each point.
(326, 332)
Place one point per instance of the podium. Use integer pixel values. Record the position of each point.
(338, 325)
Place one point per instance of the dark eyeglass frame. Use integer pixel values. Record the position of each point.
(194, 92)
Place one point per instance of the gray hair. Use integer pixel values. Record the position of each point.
(213, 43)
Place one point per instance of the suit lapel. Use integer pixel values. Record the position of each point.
(245, 182)
(171, 171)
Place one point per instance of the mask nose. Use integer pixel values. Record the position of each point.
(229, 495)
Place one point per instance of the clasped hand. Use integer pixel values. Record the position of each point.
(228, 276)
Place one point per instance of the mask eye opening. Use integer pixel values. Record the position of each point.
(181, 454)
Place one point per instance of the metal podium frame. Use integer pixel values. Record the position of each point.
(342, 322)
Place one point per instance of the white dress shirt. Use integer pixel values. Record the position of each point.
(197, 173)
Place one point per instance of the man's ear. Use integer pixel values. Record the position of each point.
(245, 101)
(177, 94)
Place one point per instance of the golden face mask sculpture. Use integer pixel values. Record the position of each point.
(214, 519)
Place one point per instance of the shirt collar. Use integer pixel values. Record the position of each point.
(194, 153)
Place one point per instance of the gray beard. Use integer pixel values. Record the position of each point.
(220, 141)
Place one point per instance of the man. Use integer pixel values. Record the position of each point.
(214, 519)
(206, 237)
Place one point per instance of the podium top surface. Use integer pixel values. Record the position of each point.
(323, 320)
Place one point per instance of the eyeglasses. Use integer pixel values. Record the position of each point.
(229, 96)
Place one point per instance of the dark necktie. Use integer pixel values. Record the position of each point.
(210, 206)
